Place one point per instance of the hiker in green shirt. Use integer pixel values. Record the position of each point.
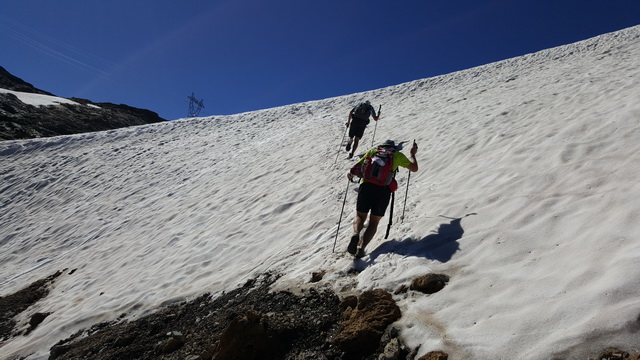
(373, 195)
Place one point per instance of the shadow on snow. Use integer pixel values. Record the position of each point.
(440, 245)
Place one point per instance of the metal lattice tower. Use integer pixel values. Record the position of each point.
(195, 105)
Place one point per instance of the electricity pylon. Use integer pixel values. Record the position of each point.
(195, 105)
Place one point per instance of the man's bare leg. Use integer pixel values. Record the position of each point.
(374, 220)
(356, 140)
(358, 225)
(358, 222)
(349, 142)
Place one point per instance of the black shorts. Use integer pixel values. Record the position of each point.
(357, 127)
(374, 198)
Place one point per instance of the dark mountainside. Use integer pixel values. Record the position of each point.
(22, 121)
(11, 82)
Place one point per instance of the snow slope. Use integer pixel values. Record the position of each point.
(527, 197)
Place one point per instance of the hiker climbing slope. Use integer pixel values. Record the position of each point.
(357, 122)
(377, 168)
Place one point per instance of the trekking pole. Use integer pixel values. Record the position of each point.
(406, 193)
(405, 198)
(390, 216)
(340, 146)
(346, 191)
(376, 127)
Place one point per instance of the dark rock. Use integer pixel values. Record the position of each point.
(172, 345)
(37, 319)
(246, 338)
(125, 340)
(14, 304)
(317, 276)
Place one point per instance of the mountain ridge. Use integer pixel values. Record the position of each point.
(20, 120)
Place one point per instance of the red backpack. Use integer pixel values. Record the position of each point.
(378, 168)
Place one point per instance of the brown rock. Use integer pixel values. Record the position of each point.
(434, 355)
(349, 302)
(613, 354)
(360, 332)
(246, 338)
(317, 276)
(429, 283)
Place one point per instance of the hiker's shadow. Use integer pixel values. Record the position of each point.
(440, 245)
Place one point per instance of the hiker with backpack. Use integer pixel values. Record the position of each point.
(357, 122)
(377, 168)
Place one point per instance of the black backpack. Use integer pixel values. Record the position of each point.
(362, 111)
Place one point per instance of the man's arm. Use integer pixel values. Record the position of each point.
(373, 112)
(350, 117)
(368, 153)
(413, 167)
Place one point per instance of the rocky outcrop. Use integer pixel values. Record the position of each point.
(14, 304)
(24, 121)
(248, 323)
(365, 320)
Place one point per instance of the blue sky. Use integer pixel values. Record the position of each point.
(245, 55)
